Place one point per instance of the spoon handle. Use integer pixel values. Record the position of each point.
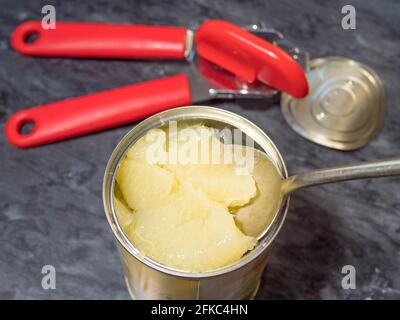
(370, 169)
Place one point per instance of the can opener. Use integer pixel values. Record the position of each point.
(229, 62)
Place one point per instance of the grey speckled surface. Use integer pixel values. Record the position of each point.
(50, 197)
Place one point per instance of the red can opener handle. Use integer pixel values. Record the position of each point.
(250, 57)
(98, 111)
(98, 40)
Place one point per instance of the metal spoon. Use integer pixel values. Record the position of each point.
(367, 169)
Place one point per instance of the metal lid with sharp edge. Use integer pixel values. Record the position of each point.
(345, 105)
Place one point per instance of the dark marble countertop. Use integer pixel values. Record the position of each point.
(50, 197)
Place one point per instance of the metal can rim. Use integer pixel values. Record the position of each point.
(191, 112)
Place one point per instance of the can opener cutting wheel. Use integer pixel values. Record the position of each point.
(229, 62)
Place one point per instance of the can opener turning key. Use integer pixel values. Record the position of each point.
(228, 62)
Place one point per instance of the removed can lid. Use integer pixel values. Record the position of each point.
(345, 105)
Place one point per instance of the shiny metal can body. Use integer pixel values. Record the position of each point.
(148, 279)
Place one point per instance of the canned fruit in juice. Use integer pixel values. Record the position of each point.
(258, 215)
(192, 202)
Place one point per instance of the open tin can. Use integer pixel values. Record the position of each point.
(148, 279)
